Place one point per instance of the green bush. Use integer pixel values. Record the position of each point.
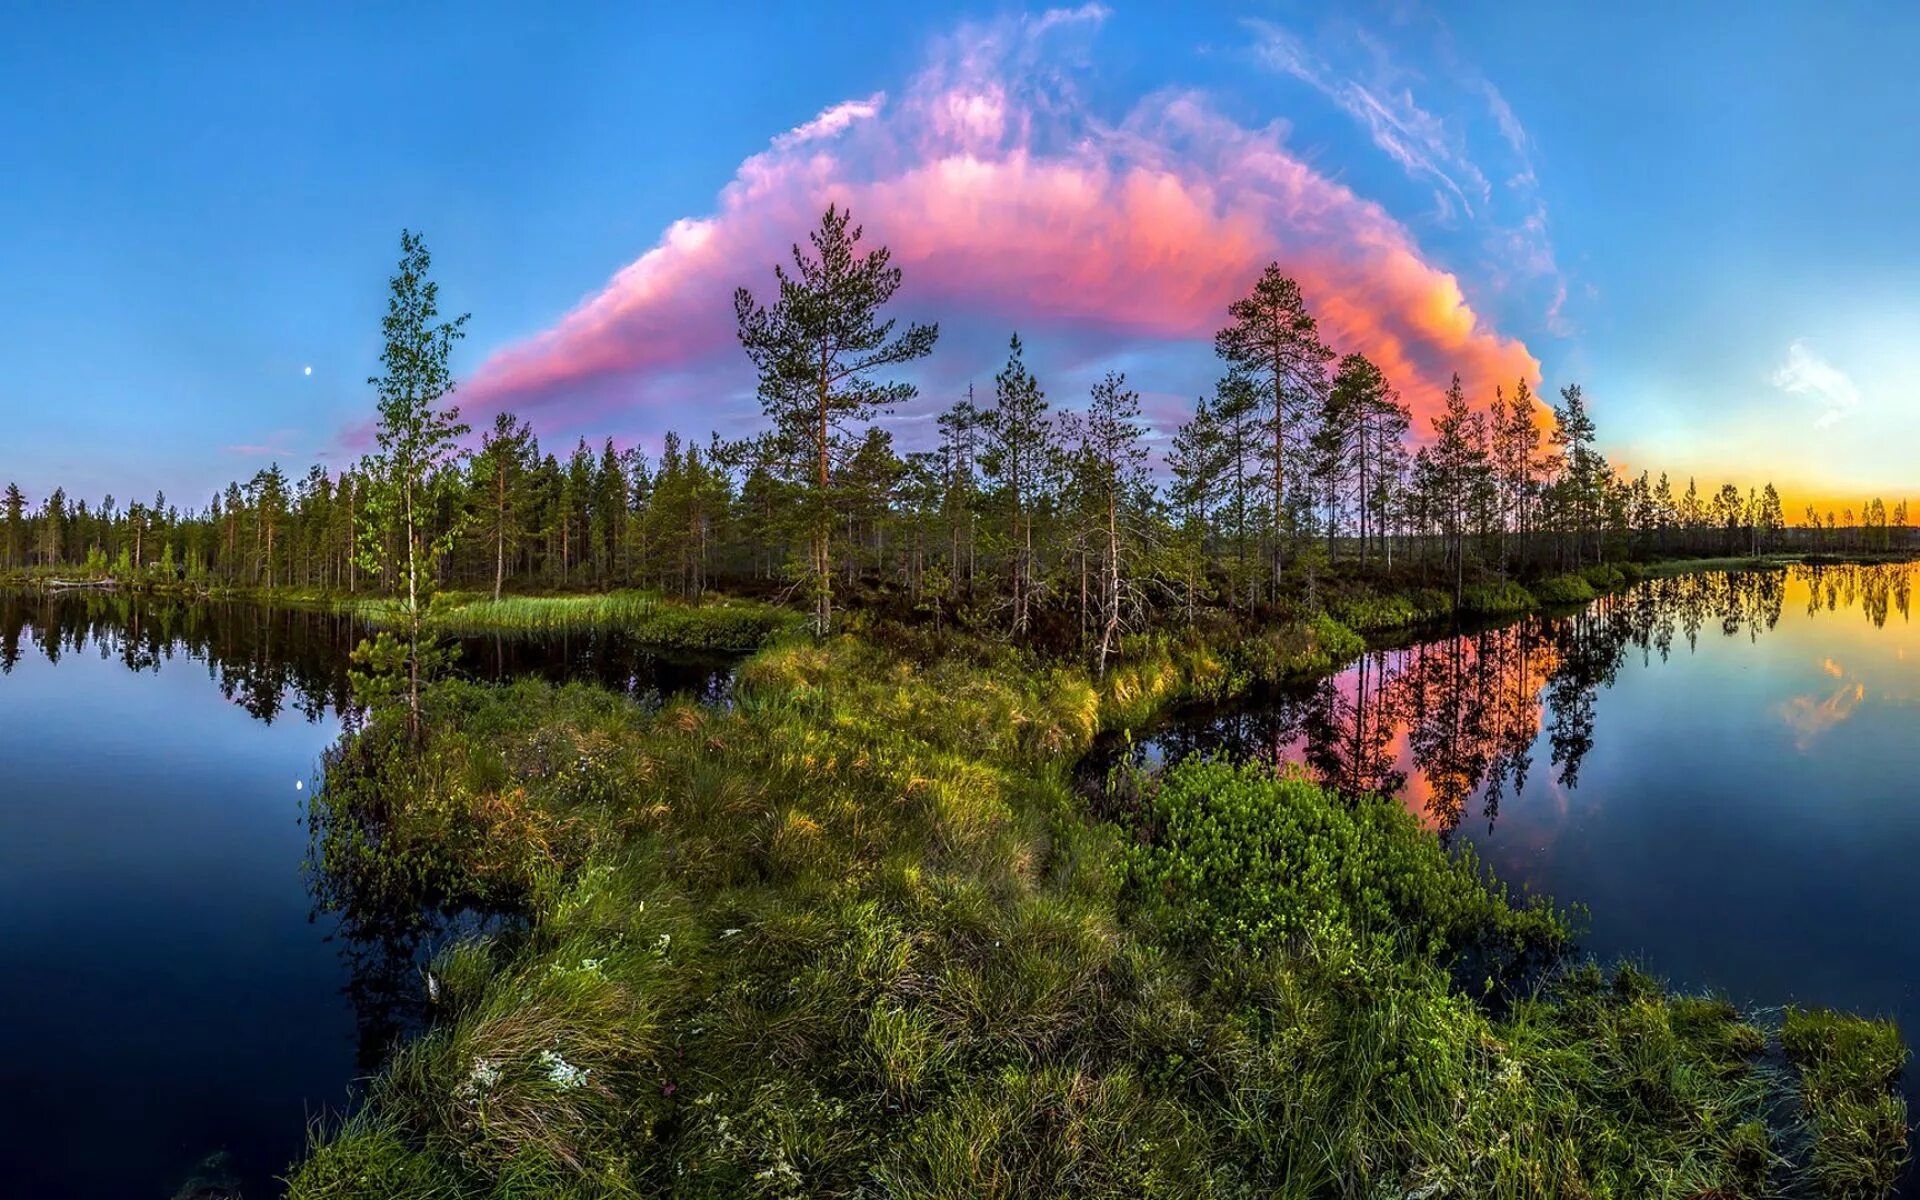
(1604, 577)
(1501, 598)
(1372, 612)
(1235, 857)
(1563, 590)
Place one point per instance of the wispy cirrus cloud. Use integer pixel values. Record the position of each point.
(831, 121)
(276, 445)
(1413, 137)
(1458, 135)
(1810, 717)
(1805, 373)
(1006, 198)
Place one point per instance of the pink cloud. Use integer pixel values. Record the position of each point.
(1003, 196)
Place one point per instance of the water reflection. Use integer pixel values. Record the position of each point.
(152, 855)
(269, 659)
(1457, 725)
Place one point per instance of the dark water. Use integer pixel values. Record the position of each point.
(167, 990)
(1721, 767)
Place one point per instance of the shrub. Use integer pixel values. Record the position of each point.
(1563, 590)
(1500, 598)
(1604, 577)
(1236, 857)
(1371, 612)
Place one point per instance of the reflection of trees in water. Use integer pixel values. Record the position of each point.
(267, 659)
(1878, 590)
(1446, 721)
(388, 917)
(259, 657)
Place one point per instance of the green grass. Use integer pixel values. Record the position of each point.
(857, 935)
(717, 623)
(1666, 568)
(1848, 1065)
(1369, 611)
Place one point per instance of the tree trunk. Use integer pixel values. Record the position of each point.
(822, 525)
(1112, 582)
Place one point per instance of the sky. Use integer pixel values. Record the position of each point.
(1707, 223)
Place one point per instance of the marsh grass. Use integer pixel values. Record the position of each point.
(857, 936)
(1848, 1066)
(716, 623)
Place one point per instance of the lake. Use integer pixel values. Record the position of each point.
(167, 990)
(1717, 765)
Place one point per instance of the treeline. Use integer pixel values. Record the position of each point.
(1301, 461)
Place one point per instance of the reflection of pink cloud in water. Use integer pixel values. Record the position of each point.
(1000, 193)
(1417, 796)
(1810, 717)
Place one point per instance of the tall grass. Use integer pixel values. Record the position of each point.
(715, 623)
(857, 936)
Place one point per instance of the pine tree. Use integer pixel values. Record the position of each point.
(500, 482)
(1110, 462)
(1459, 465)
(1272, 342)
(1018, 455)
(14, 509)
(268, 495)
(1582, 473)
(820, 349)
(1197, 462)
(962, 426)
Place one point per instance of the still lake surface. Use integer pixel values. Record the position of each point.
(1721, 767)
(167, 989)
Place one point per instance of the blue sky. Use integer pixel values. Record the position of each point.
(1706, 222)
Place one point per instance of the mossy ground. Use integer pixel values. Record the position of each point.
(857, 935)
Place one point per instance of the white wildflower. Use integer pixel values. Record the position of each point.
(481, 1078)
(561, 1073)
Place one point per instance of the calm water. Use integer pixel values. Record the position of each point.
(166, 988)
(1721, 767)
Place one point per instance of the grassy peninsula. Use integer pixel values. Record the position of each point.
(858, 935)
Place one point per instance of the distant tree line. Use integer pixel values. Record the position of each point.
(1302, 461)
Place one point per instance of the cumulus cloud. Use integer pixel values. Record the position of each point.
(1806, 373)
(1005, 198)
